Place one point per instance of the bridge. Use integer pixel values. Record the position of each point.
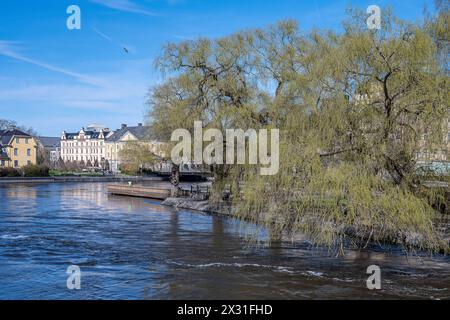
(187, 170)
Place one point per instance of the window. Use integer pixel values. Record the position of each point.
(28, 162)
(29, 152)
(17, 140)
(16, 163)
(26, 140)
(3, 163)
(16, 151)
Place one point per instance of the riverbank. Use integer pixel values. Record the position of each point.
(442, 222)
(77, 179)
(204, 206)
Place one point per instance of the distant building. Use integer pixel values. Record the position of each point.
(439, 153)
(96, 127)
(126, 134)
(85, 146)
(427, 153)
(51, 145)
(5, 161)
(17, 148)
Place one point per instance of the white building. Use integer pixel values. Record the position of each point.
(85, 145)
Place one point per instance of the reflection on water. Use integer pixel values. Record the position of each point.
(131, 248)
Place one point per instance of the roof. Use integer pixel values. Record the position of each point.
(6, 135)
(50, 141)
(92, 134)
(140, 132)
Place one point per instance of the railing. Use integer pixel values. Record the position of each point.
(200, 192)
(185, 169)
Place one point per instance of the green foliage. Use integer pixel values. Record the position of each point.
(35, 171)
(9, 172)
(135, 157)
(26, 171)
(69, 173)
(439, 29)
(354, 109)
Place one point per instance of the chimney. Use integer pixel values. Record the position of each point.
(124, 125)
(139, 124)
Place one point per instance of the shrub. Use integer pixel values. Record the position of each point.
(129, 169)
(33, 170)
(9, 172)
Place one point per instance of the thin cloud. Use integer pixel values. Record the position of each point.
(125, 5)
(184, 38)
(124, 91)
(10, 49)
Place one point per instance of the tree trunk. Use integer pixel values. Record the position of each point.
(175, 179)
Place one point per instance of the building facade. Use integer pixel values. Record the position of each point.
(439, 153)
(51, 146)
(116, 142)
(17, 149)
(85, 146)
(427, 152)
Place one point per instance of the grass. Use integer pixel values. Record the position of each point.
(59, 173)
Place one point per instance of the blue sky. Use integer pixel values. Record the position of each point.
(55, 79)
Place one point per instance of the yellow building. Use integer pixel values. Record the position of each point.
(116, 142)
(17, 149)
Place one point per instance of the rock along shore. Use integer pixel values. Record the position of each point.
(198, 205)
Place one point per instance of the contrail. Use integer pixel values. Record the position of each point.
(104, 36)
(7, 49)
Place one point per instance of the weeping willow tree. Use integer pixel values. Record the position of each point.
(136, 156)
(354, 109)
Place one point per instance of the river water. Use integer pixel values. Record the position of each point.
(130, 248)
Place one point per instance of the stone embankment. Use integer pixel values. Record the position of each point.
(77, 179)
(198, 205)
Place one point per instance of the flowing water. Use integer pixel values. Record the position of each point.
(129, 248)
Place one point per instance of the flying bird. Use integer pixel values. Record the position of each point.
(108, 38)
